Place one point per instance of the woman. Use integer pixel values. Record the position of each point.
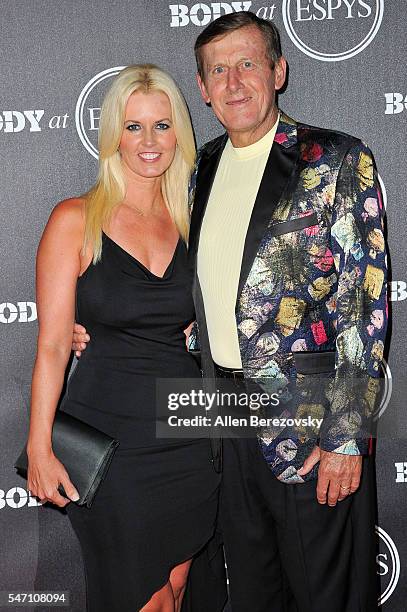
(118, 257)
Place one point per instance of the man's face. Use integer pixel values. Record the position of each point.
(240, 84)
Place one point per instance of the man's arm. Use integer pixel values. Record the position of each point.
(360, 318)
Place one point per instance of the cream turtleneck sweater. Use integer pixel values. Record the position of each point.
(222, 239)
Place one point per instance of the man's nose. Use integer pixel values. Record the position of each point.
(234, 80)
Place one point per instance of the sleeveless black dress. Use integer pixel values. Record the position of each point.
(157, 506)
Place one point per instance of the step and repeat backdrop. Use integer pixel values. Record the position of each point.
(346, 71)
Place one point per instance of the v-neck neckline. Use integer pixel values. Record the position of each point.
(139, 263)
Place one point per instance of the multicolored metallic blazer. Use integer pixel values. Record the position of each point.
(311, 308)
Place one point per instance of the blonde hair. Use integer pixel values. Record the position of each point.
(110, 188)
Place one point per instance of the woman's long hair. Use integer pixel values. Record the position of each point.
(110, 187)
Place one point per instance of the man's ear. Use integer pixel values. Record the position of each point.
(202, 89)
(280, 70)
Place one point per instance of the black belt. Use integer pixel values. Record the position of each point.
(233, 373)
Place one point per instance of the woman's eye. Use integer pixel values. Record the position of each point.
(162, 126)
(133, 127)
(218, 70)
(248, 64)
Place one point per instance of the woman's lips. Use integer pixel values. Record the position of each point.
(149, 156)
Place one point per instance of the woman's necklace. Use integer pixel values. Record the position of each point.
(138, 210)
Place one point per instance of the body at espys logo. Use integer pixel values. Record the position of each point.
(387, 390)
(16, 121)
(396, 103)
(16, 498)
(401, 471)
(87, 112)
(383, 190)
(22, 312)
(202, 13)
(388, 565)
(312, 26)
(398, 291)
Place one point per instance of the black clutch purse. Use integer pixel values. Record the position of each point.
(84, 451)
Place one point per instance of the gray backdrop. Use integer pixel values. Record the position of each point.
(347, 71)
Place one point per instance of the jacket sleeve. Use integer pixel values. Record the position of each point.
(193, 338)
(360, 316)
(192, 182)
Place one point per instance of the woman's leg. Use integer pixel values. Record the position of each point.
(178, 581)
(169, 598)
(161, 601)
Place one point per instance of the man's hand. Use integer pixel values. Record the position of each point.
(79, 339)
(338, 475)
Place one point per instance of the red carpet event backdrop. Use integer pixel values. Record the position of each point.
(346, 71)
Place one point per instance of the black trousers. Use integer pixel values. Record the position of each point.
(287, 553)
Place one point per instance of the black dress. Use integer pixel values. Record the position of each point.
(157, 506)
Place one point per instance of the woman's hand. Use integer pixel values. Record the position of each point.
(80, 338)
(187, 332)
(45, 474)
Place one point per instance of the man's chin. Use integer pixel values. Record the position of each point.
(241, 128)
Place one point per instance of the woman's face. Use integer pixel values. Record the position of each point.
(148, 142)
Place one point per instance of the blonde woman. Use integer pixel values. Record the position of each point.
(118, 256)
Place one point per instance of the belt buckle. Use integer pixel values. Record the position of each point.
(232, 374)
(237, 378)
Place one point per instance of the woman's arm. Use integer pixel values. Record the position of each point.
(58, 267)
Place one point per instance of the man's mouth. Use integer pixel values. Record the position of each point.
(239, 102)
(149, 156)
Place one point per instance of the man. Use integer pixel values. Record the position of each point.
(287, 247)
(288, 282)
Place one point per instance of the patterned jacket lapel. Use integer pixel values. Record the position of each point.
(280, 165)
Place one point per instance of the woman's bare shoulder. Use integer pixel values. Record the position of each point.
(70, 210)
(70, 214)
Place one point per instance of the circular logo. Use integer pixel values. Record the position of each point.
(387, 390)
(315, 29)
(388, 565)
(384, 192)
(87, 110)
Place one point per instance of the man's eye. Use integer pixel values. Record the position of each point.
(248, 64)
(133, 127)
(162, 126)
(218, 70)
